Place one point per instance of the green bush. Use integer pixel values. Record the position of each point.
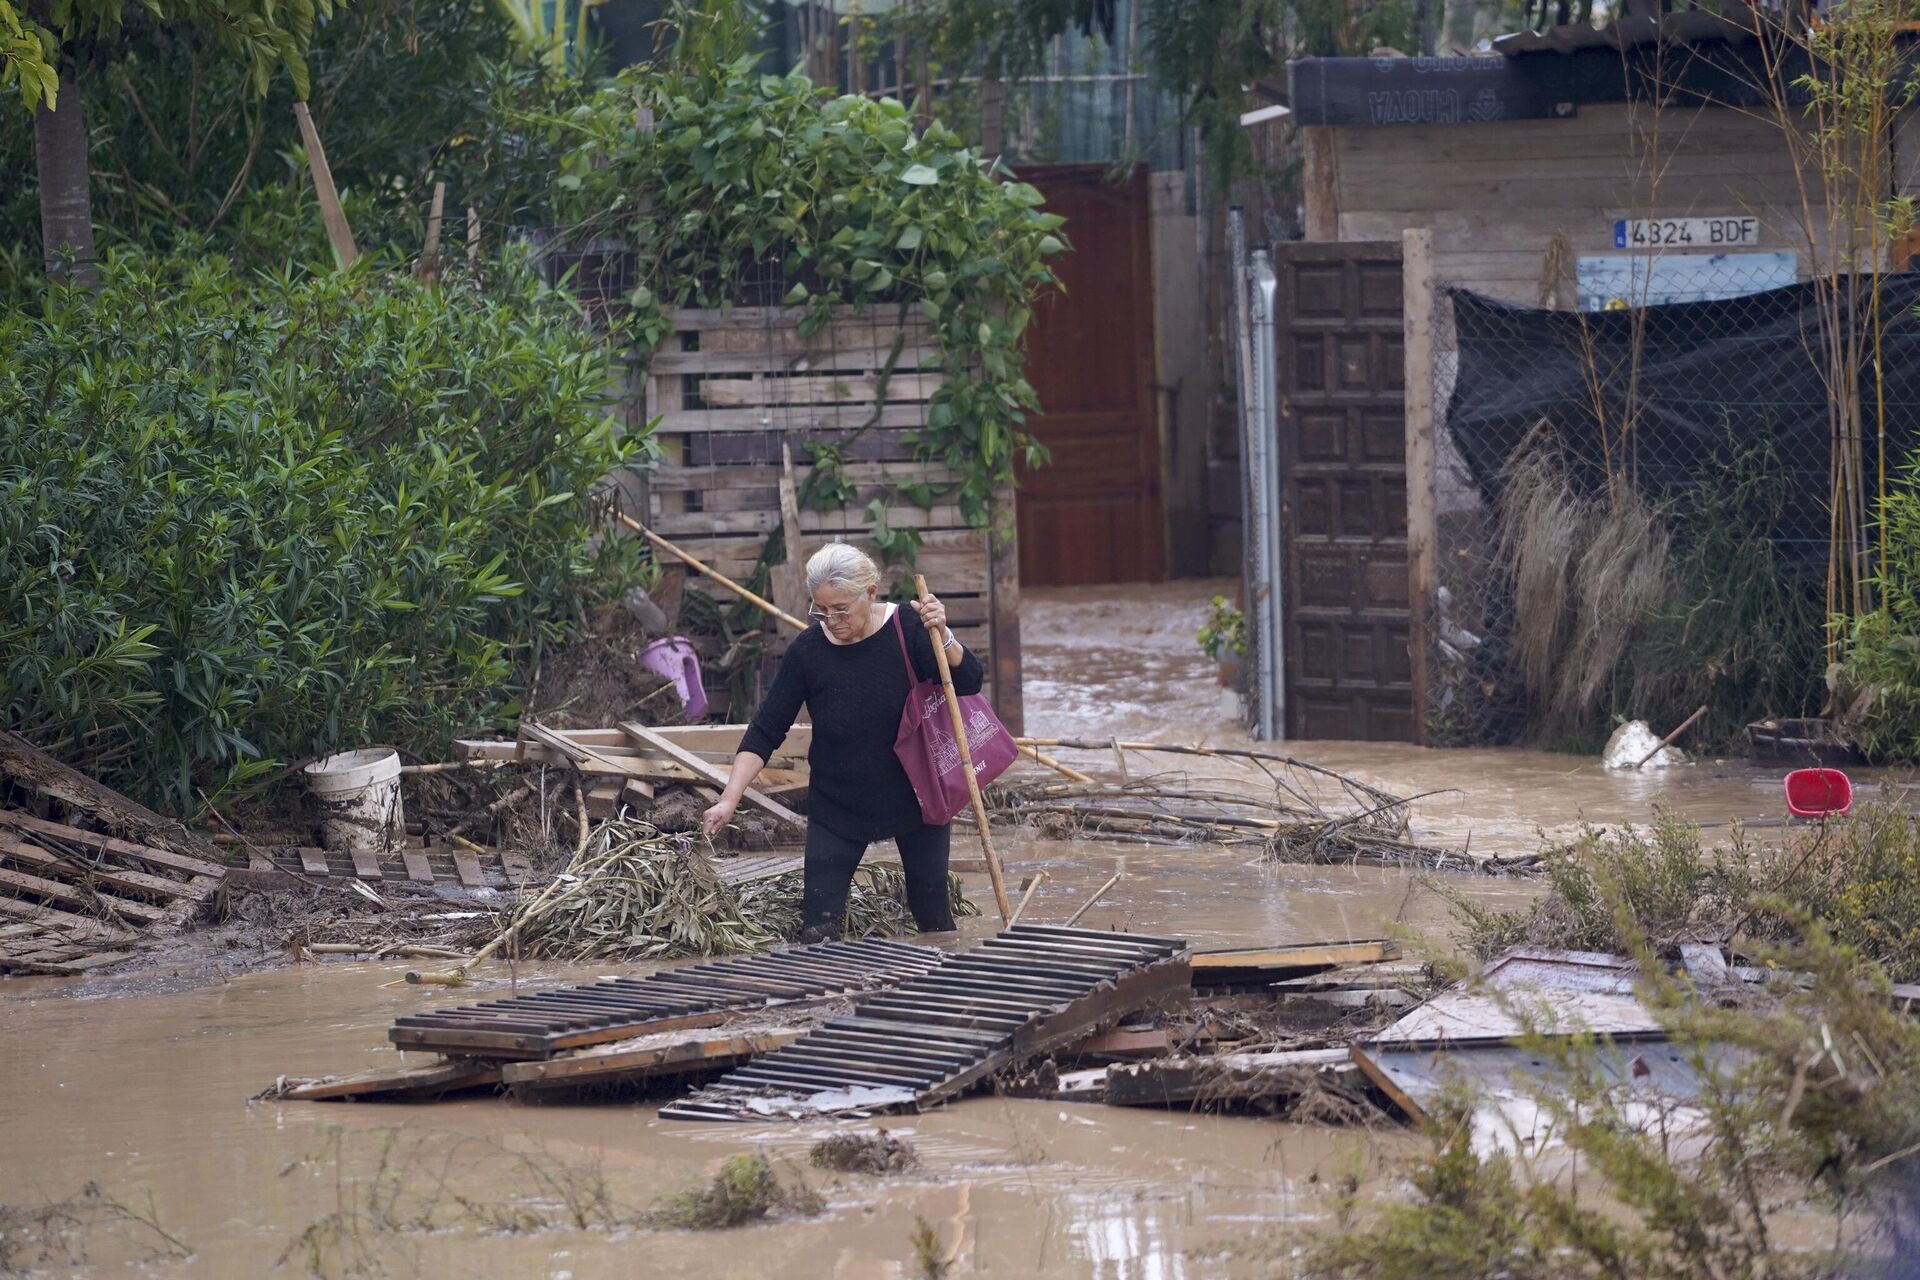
(246, 520)
(1877, 684)
(1609, 888)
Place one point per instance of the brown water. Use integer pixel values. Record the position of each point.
(147, 1094)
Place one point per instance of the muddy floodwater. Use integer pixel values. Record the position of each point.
(146, 1095)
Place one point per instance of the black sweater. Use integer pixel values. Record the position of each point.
(855, 694)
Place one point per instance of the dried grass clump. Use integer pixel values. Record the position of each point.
(875, 1153)
(1587, 573)
(745, 1190)
(641, 894)
(638, 893)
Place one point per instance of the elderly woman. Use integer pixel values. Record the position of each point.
(854, 672)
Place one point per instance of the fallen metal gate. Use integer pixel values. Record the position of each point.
(544, 1023)
(1016, 996)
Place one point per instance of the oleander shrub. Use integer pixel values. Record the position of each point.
(247, 519)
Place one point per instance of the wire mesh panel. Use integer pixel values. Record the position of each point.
(1653, 502)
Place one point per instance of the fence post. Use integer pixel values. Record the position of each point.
(1417, 294)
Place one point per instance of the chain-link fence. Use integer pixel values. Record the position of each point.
(1642, 503)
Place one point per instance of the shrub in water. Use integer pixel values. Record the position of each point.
(250, 520)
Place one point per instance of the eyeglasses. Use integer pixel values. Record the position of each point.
(838, 613)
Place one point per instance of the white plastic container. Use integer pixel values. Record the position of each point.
(360, 792)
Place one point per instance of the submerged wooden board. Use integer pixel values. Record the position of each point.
(1221, 1078)
(643, 1057)
(401, 1083)
(1271, 964)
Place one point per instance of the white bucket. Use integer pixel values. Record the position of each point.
(360, 792)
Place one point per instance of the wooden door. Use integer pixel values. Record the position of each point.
(1093, 514)
(1343, 469)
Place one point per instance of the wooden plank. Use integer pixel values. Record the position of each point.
(642, 734)
(314, 862)
(766, 475)
(1417, 292)
(860, 354)
(402, 1083)
(1002, 642)
(26, 764)
(879, 317)
(738, 392)
(196, 866)
(366, 863)
(1153, 1043)
(107, 874)
(1222, 1077)
(74, 895)
(667, 1053)
(1320, 182)
(64, 923)
(468, 869)
(1271, 964)
(417, 868)
(942, 527)
(795, 418)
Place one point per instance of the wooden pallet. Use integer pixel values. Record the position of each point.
(1021, 994)
(728, 389)
(72, 900)
(414, 862)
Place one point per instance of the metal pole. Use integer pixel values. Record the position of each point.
(1267, 425)
(1252, 513)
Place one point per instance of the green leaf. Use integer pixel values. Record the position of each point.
(909, 239)
(919, 175)
(796, 295)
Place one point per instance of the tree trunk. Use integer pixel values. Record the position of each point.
(66, 193)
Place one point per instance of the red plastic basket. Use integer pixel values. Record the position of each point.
(1819, 793)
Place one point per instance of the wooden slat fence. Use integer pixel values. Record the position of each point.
(728, 387)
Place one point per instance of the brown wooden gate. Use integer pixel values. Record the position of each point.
(1344, 491)
(1093, 514)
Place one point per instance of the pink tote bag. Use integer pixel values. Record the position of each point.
(929, 752)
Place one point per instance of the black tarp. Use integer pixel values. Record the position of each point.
(1712, 381)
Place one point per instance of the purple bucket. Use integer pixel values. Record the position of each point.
(674, 659)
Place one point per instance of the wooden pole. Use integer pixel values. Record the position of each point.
(770, 608)
(1026, 897)
(966, 763)
(330, 211)
(1087, 906)
(1666, 741)
(1416, 264)
(430, 252)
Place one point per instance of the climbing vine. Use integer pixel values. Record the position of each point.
(720, 176)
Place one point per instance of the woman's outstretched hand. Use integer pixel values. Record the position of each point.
(717, 817)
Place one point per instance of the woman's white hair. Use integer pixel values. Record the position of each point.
(842, 566)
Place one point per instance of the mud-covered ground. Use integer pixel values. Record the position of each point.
(141, 1084)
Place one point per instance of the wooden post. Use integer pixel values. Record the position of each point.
(966, 764)
(330, 211)
(1003, 612)
(1321, 190)
(789, 579)
(1417, 292)
(993, 110)
(430, 251)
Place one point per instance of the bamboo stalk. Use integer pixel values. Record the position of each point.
(1662, 745)
(966, 761)
(1026, 897)
(1087, 906)
(335, 218)
(449, 766)
(1065, 771)
(767, 606)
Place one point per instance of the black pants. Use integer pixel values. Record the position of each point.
(832, 859)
